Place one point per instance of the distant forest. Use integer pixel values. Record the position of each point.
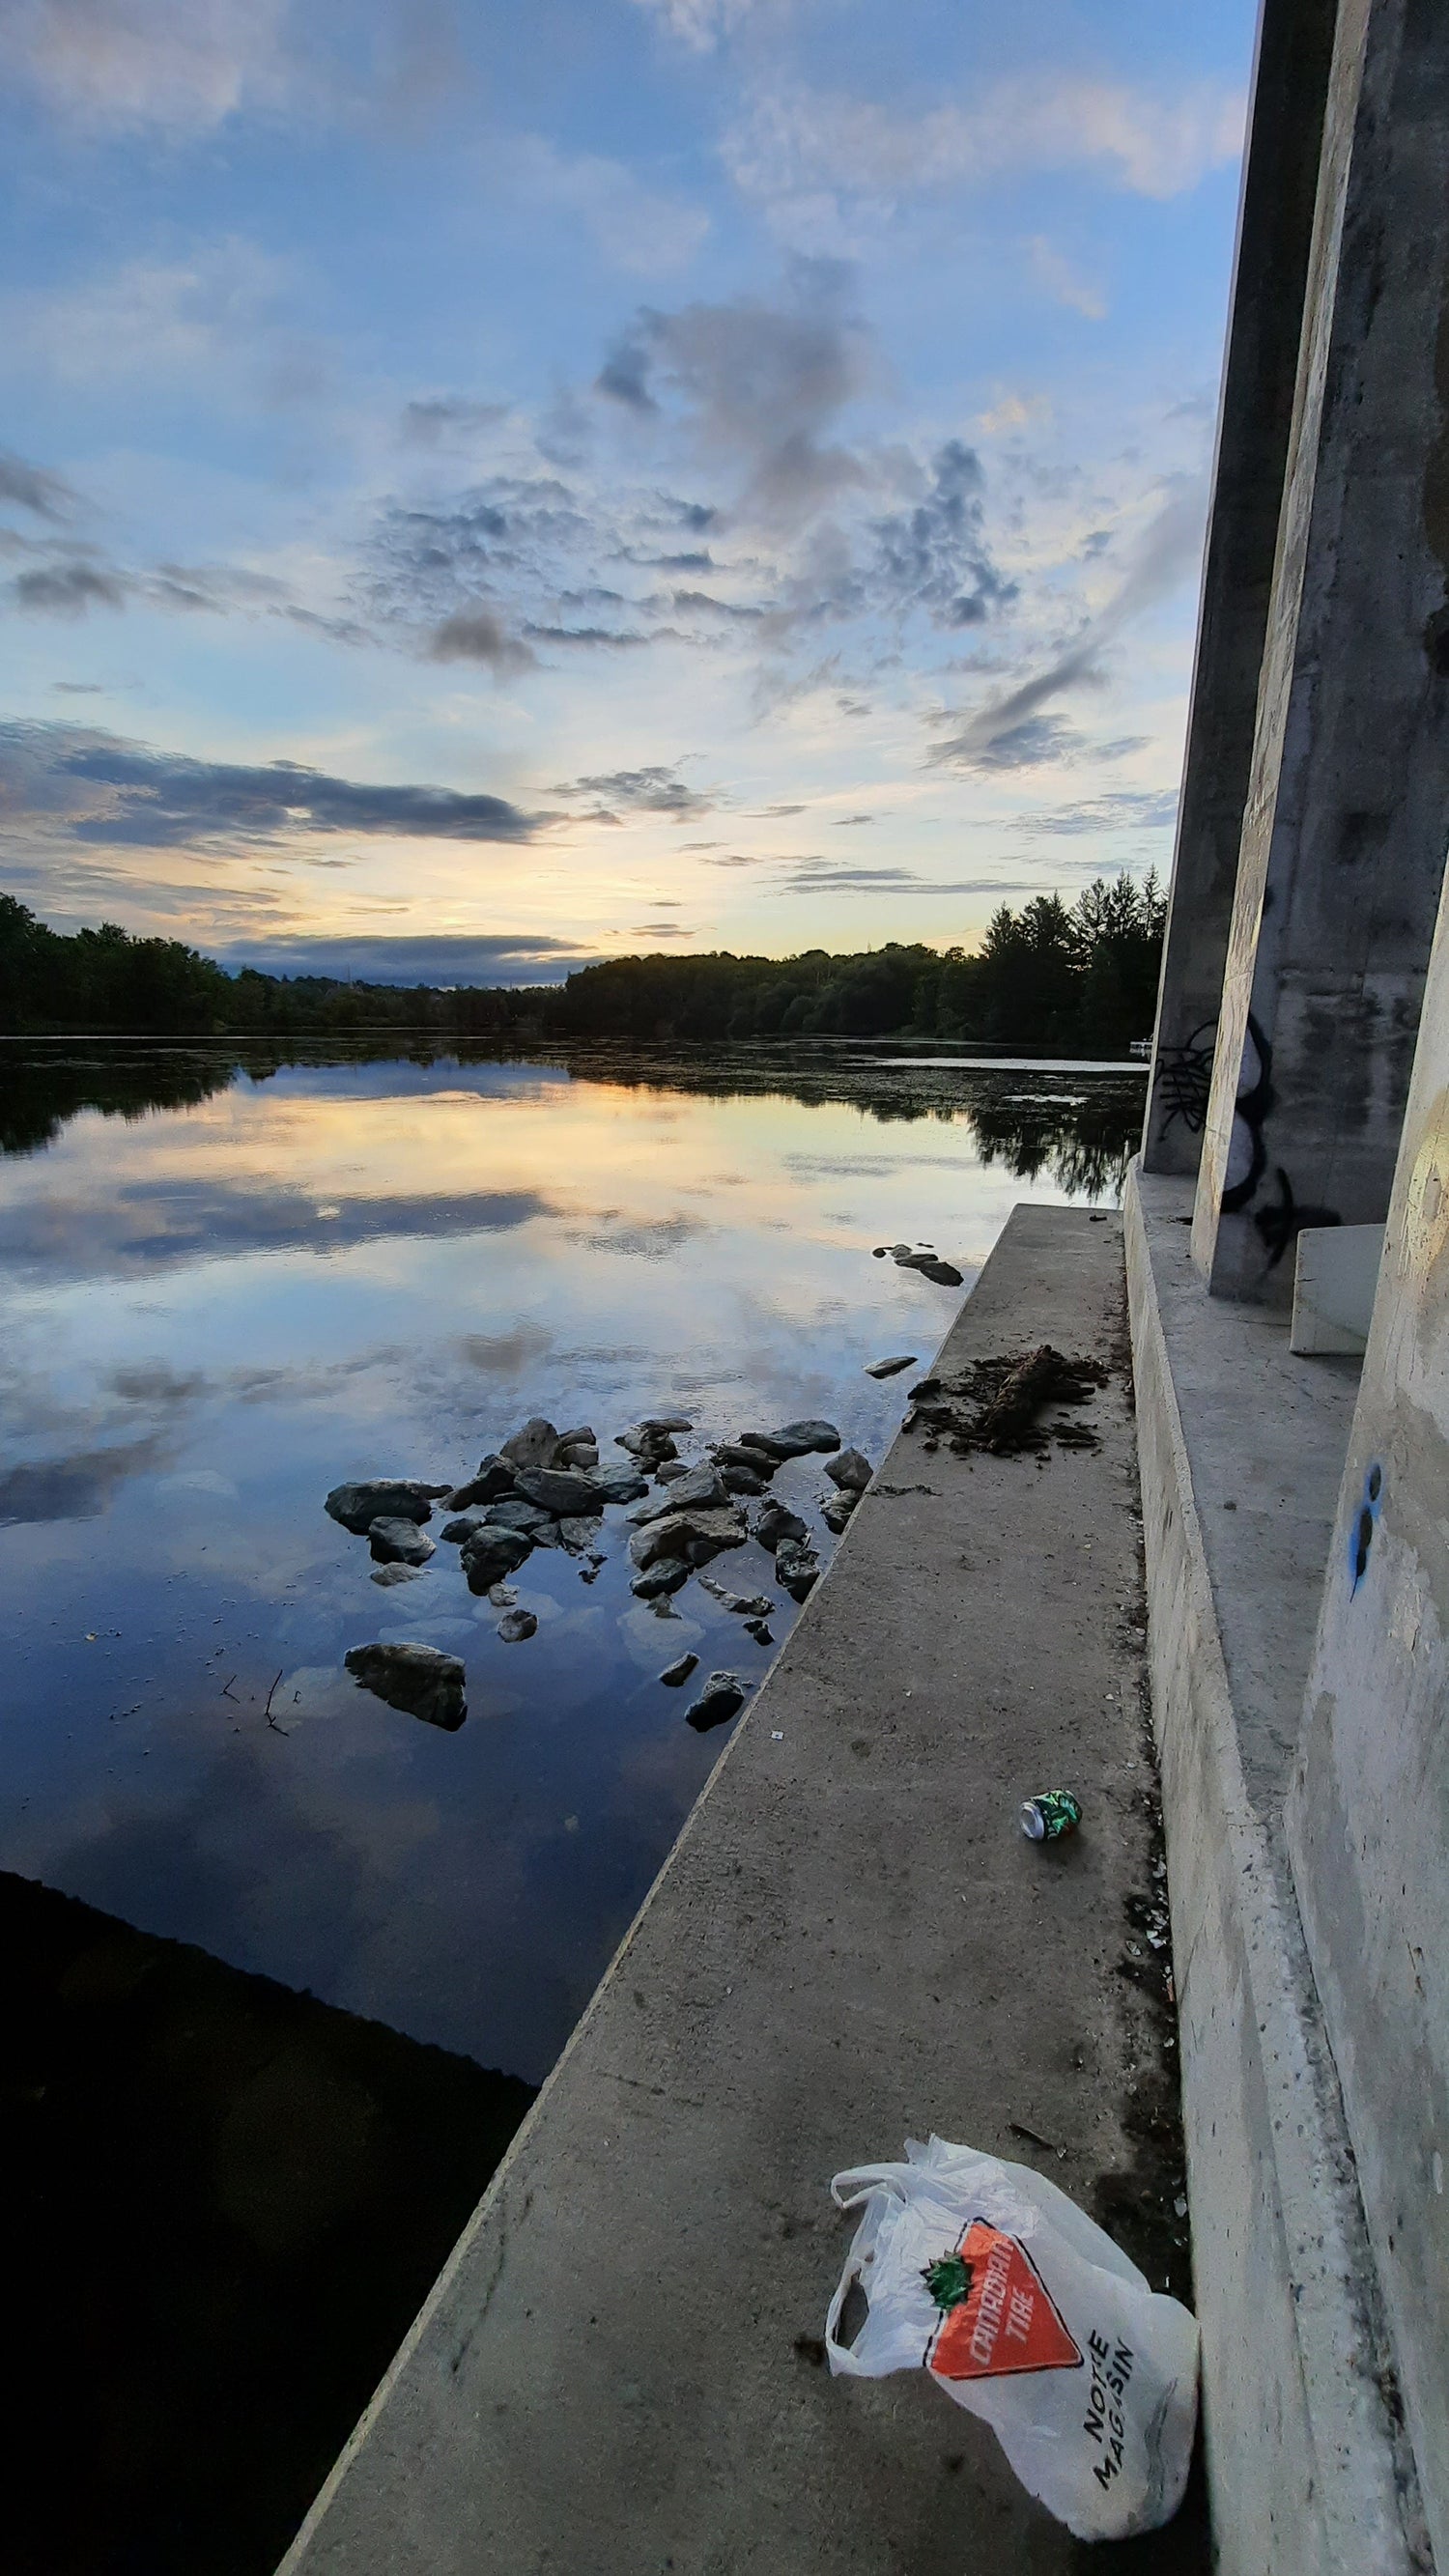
(1051, 979)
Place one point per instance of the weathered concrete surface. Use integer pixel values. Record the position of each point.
(1343, 833)
(1255, 411)
(1369, 1809)
(851, 1942)
(1241, 1446)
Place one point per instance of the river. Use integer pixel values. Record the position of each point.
(232, 1281)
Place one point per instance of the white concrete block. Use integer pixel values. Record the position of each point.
(1333, 1287)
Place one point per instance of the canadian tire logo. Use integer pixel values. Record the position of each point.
(997, 2314)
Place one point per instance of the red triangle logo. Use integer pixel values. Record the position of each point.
(1000, 2317)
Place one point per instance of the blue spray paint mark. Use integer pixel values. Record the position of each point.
(1363, 1524)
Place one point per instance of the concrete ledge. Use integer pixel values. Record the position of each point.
(619, 2372)
(1307, 2474)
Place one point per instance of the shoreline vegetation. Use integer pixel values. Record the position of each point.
(1049, 980)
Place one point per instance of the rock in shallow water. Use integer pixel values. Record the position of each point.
(698, 1489)
(516, 1625)
(891, 1367)
(494, 1478)
(399, 1542)
(667, 1576)
(777, 1522)
(536, 1445)
(491, 1553)
(696, 1535)
(796, 1568)
(557, 1490)
(390, 1574)
(679, 1671)
(722, 1698)
(852, 1470)
(838, 1510)
(399, 1498)
(421, 1680)
(759, 1629)
(616, 1483)
(794, 1439)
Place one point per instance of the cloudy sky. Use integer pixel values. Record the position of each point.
(486, 486)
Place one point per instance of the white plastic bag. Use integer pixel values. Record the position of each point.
(986, 2275)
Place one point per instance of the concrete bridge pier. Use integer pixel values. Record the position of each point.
(1344, 823)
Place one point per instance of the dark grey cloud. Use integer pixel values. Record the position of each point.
(827, 876)
(427, 424)
(641, 791)
(93, 787)
(760, 385)
(477, 635)
(69, 589)
(30, 487)
(935, 555)
(440, 958)
(846, 822)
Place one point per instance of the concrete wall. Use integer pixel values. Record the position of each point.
(1305, 2475)
(1343, 835)
(1255, 411)
(1369, 1809)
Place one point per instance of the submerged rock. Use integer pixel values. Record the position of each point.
(494, 1478)
(722, 1698)
(578, 1532)
(679, 1671)
(418, 1679)
(838, 1510)
(851, 1469)
(395, 1573)
(493, 1552)
(557, 1489)
(399, 1498)
(516, 1625)
(891, 1367)
(667, 1576)
(660, 1422)
(943, 1272)
(398, 1542)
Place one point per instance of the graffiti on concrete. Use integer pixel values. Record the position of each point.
(1247, 1153)
(1279, 1226)
(1184, 1078)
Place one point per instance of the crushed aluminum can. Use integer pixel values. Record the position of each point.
(1046, 1818)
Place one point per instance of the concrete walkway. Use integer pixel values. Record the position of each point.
(620, 2370)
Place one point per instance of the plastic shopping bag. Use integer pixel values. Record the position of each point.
(987, 2276)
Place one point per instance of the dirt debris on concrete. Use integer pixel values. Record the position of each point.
(999, 1404)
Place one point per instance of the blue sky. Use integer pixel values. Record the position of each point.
(610, 474)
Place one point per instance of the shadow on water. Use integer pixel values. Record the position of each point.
(1080, 1140)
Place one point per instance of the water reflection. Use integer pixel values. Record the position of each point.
(232, 1281)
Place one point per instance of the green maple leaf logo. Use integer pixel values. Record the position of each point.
(949, 2281)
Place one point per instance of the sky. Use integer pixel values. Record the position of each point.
(485, 488)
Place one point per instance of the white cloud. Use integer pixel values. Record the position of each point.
(635, 226)
(795, 143)
(155, 318)
(1064, 282)
(182, 64)
(699, 23)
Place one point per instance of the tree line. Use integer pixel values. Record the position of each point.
(1050, 979)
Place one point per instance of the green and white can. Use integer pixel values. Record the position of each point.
(1045, 1818)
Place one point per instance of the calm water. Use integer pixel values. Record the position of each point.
(229, 1286)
